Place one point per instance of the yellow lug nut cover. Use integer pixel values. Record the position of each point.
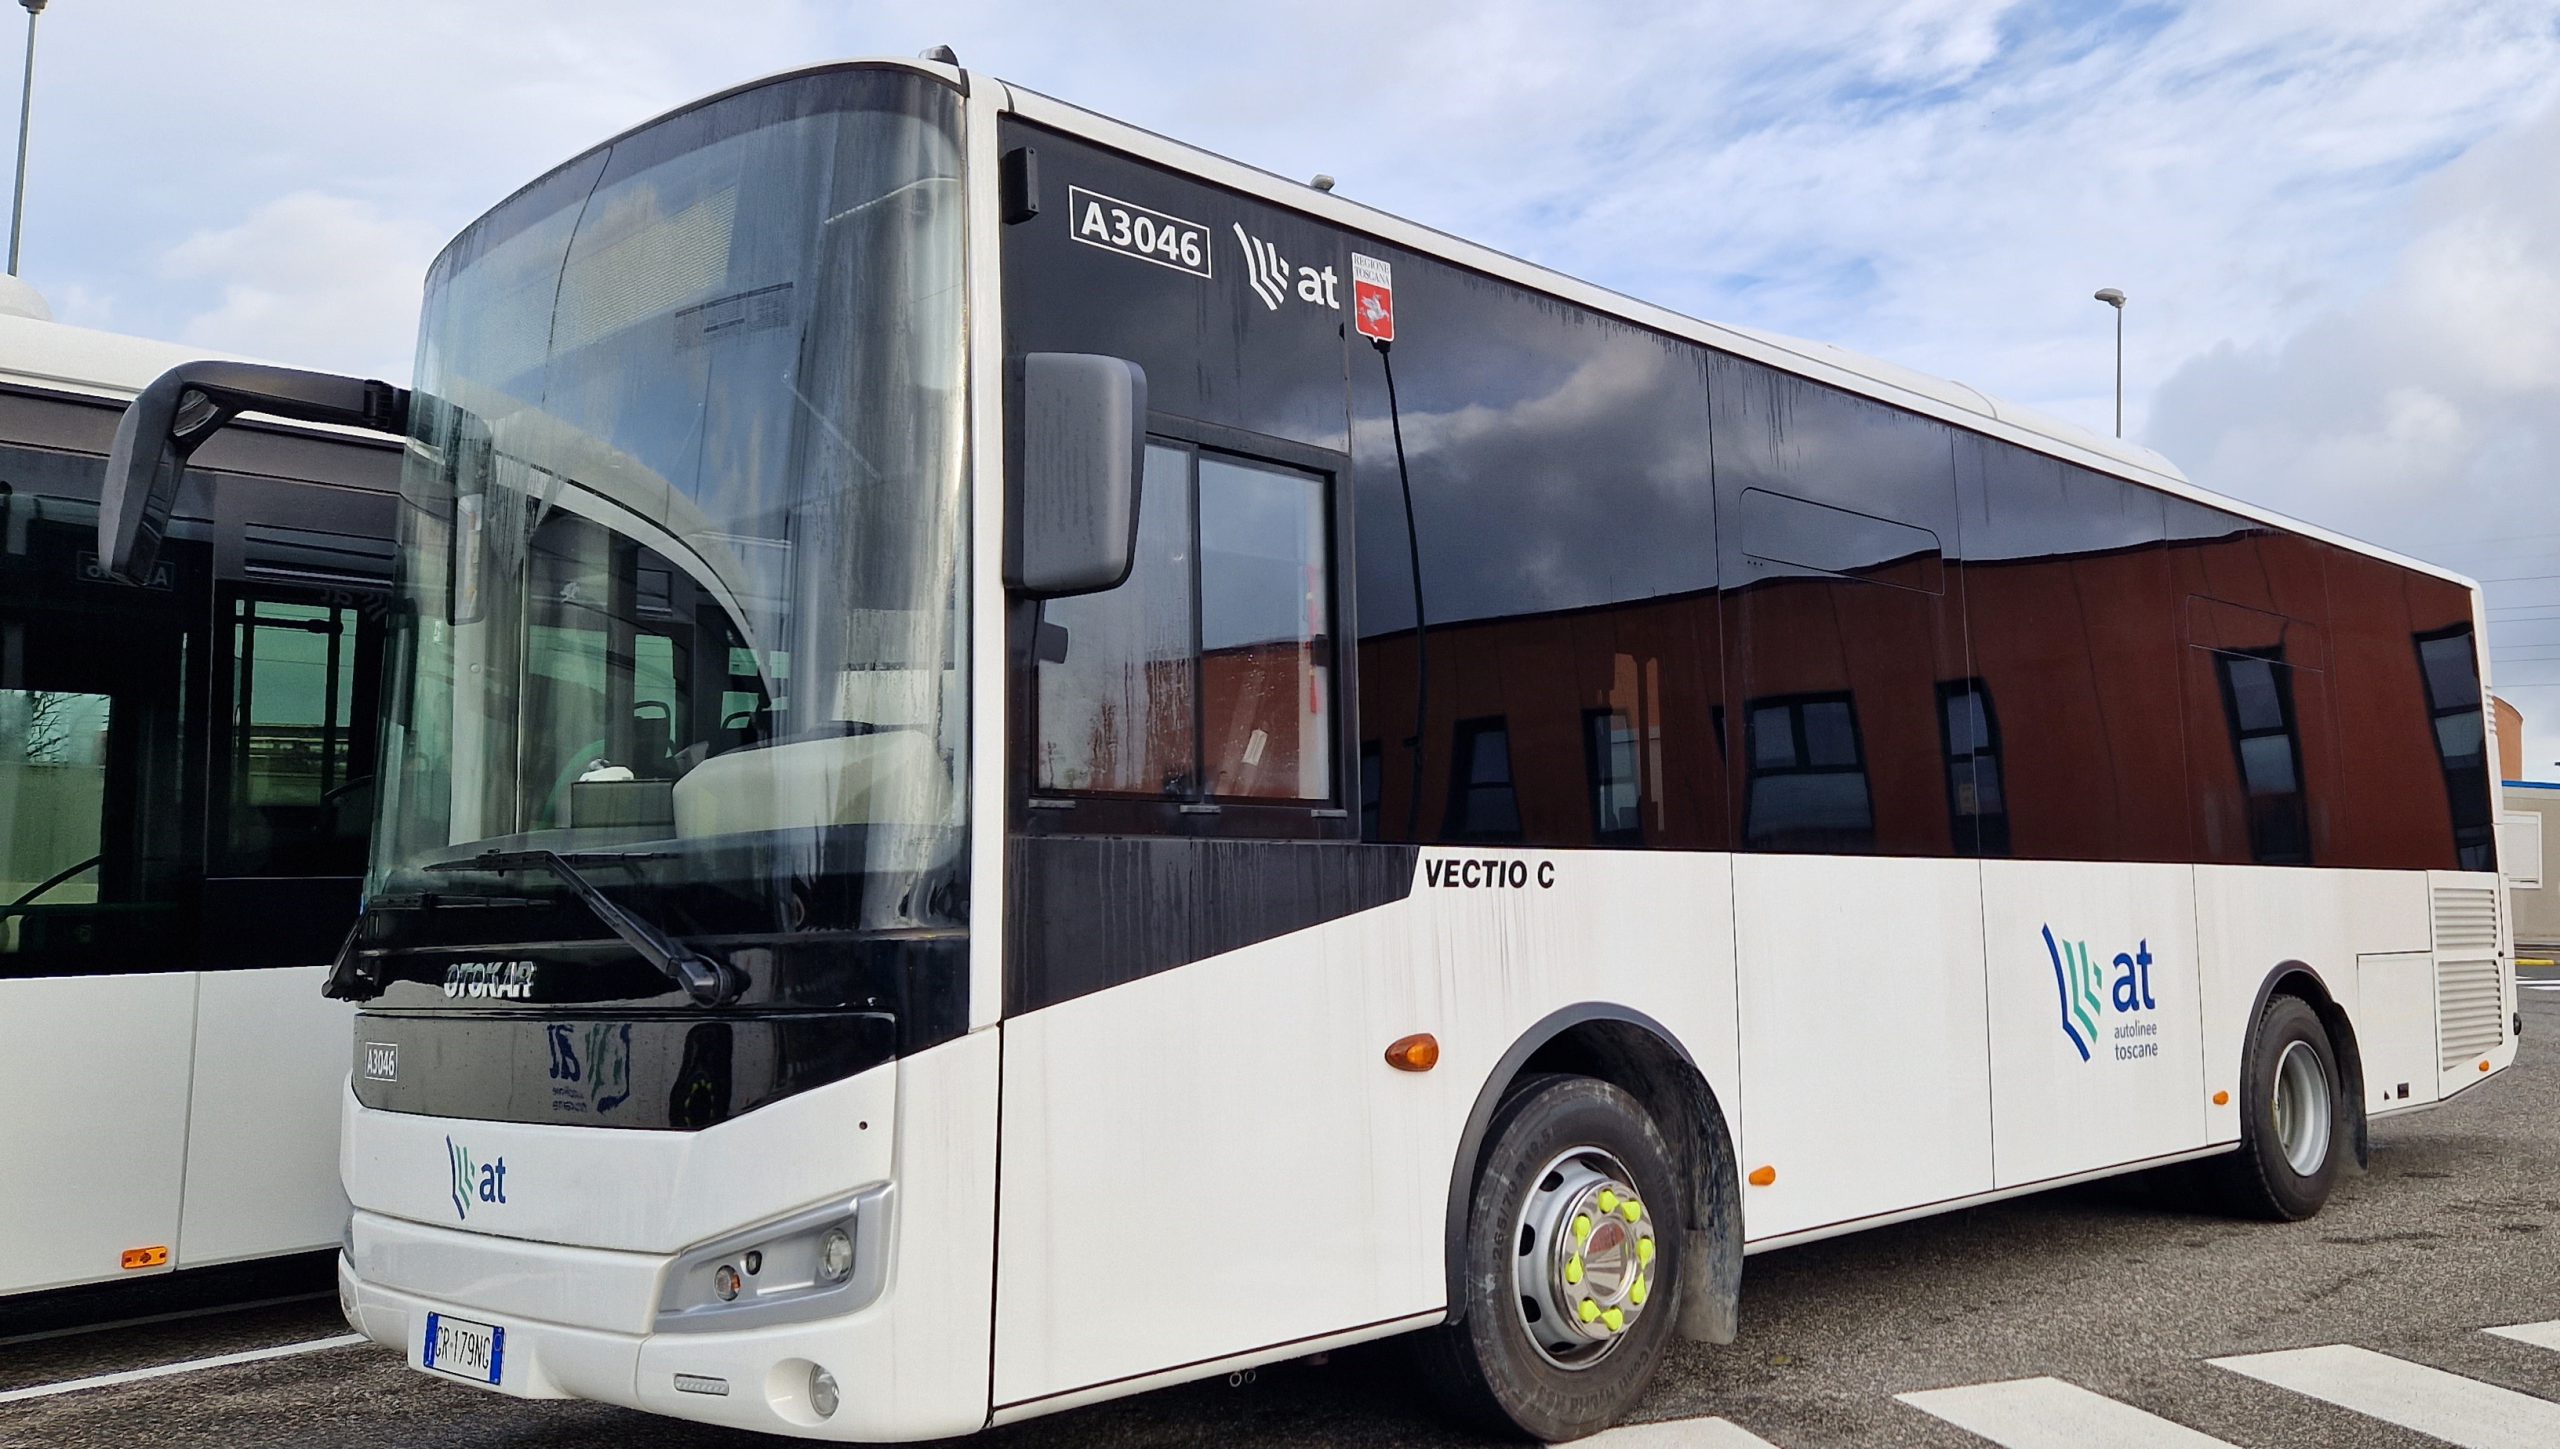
(1644, 1250)
(1617, 1321)
(1573, 1269)
(1608, 1200)
(1589, 1310)
(1632, 1210)
(1581, 1228)
(1636, 1294)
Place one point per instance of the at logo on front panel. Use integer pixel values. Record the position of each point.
(2108, 1010)
(474, 1183)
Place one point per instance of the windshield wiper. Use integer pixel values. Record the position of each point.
(708, 981)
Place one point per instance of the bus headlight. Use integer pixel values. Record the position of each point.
(823, 1397)
(816, 1264)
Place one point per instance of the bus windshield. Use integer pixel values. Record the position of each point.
(682, 547)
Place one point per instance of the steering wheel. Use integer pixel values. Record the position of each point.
(48, 883)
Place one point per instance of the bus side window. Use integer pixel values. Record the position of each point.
(96, 859)
(1208, 673)
(297, 776)
(53, 778)
(2449, 666)
(1116, 713)
(1266, 633)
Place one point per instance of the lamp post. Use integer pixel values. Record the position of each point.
(2115, 299)
(26, 105)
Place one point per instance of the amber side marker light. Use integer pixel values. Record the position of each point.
(2222, 1099)
(2484, 1066)
(1419, 1052)
(155, 1257)
(1763, 1176)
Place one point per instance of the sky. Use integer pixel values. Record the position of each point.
(2338, 225)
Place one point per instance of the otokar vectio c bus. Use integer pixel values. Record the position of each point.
(1022, 763)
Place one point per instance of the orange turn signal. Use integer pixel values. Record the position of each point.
(153, 1257)
(2484, 1066)
(1763, 1176)
(1419, 1052)
(2222, 1099)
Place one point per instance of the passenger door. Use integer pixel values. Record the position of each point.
(1194, 1005)
(1857, 900)
(299, 610)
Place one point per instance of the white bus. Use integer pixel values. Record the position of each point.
(1022, 763)
(184, 795)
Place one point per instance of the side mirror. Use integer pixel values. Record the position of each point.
(1076, 444)
(166, 422)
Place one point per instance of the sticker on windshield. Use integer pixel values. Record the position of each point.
(1136, 231)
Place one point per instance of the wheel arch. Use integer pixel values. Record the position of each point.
(2299, 980)
(1639, 1055)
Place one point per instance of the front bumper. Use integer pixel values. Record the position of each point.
(750, 1377)
(909, 1349)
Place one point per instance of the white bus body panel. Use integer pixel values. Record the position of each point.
(2142, 1094)
(2250, 920)
(1217, 1160)
(2397, 1029)
(95, 1070)
(262, 1128)
(1862, 1022)
(192, 1111)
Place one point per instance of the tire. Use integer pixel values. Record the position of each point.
(2292, 1119)
(1554, 1153)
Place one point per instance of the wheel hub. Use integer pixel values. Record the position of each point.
(1585, 1265)
(2302, 1108)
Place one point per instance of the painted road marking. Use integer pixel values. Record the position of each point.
(73, 1386)
(2540, 1335)
(2431, 1401)
(1677, 1434)
(2047, 1413)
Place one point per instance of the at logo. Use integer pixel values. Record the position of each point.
(2088, 998)
(590, 1071)
(1272, 276)
(474, 1182)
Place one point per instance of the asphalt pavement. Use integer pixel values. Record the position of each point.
(2148, 1314)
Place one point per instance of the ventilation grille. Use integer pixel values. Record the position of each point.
(2470, 1004)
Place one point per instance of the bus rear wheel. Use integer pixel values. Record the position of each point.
(2292, 1121)
(1572, 1260)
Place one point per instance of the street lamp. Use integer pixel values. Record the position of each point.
(26, 104)
(2112, 298)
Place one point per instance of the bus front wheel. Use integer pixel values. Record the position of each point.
(2291, 1118)
(1572, 1258)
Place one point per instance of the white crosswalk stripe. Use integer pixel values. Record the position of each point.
(2540, 1335)
(2458, 1410)
(1677, 1434)
(2048, 1413)
(2051, 1413)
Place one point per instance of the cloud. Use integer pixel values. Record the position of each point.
(324, 281)
(1941, 182)
(2423, 411)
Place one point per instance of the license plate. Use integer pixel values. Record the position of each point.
(464, 1349)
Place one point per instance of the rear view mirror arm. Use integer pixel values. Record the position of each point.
(168, 420)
